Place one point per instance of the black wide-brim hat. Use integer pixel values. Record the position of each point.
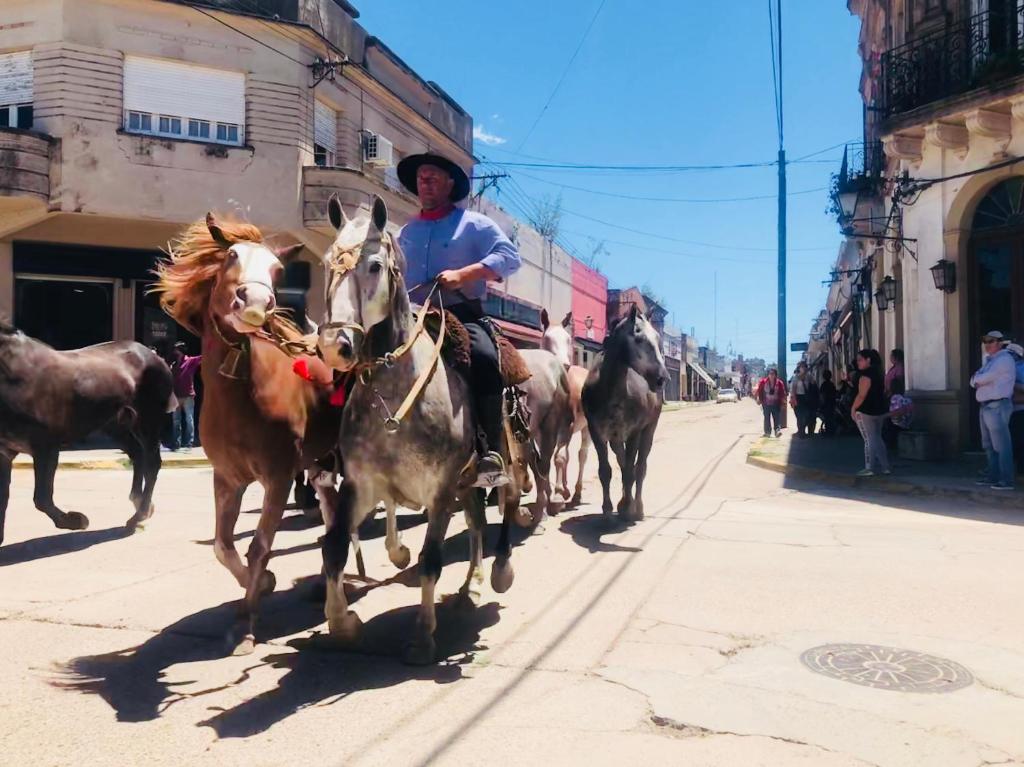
(408, 166)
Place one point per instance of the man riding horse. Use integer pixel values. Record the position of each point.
(461, 250)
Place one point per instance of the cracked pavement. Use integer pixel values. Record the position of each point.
(673, 641)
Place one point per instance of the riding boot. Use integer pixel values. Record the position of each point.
(490, 467)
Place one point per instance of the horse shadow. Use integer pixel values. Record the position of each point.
(59, 543)
(321, 673)
(133, 682)
(587, 530)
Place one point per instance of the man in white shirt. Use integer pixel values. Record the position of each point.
(993, 385)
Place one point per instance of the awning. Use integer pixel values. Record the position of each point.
(519, 332)
(702, 373)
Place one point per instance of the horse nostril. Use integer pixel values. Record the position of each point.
(241, 293)
(271, 302)
(345, 349)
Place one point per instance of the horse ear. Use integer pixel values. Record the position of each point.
(288, 252)
(544, 321)
(335, 212)
(633, 312)
(216, 232)
(567, 321)
(380, 213)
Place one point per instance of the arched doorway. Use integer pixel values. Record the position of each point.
(996, 276)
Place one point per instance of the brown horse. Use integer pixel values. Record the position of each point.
(260, 421)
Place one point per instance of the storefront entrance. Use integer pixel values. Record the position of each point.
(65, 313)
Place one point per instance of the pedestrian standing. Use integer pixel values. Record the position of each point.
(183, 371)
(869, 411)
(993, 386)
(829, 397)
(1017, 419)
(895, 370)
(799, 399)
(770, 394)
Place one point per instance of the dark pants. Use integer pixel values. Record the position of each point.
(805, 417)
(771, 415)
(485, 375)
(828, 418)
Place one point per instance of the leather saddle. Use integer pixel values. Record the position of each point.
(514, 370)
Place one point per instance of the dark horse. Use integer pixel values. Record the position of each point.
(622, 399)
(51, 398)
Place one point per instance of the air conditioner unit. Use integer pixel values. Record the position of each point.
(377, 150)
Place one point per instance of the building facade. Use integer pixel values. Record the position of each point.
(122, 121)
(589, 312)
(937, 229)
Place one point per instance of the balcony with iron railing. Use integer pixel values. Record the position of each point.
(982, 51)
(862, 173)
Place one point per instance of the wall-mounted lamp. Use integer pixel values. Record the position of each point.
(944, 274)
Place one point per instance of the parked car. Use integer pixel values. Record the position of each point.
(728, 395)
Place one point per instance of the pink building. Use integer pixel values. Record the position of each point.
(589, 311)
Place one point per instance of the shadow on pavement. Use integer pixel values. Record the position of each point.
(587, 531)
(60, 543)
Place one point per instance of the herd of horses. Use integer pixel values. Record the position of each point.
(404, 436)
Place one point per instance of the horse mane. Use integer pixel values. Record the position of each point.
(388, 335)
(194, 259)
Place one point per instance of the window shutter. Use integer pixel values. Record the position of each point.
(16, 78)
(325, 126)
(183, 90)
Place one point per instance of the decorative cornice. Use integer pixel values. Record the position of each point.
(994, 125)
(902, 147)
(948, 136)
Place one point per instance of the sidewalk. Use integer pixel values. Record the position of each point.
(836, 461)
(116, 459)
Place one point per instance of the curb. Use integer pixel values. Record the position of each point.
(118, 464)
(880, 484)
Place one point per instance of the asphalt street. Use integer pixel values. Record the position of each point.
(750, 619)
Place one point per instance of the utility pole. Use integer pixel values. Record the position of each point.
(715, 336)
(782, 219)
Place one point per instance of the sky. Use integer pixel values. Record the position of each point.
(664, 82)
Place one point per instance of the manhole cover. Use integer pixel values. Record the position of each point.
(887, 668)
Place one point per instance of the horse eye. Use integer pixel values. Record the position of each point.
(375, 267)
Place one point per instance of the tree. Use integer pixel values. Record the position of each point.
(547, 217)
(598, 249)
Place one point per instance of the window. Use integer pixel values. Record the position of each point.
(16, 90)
(198, 129)
(173, 98)
(325, 135)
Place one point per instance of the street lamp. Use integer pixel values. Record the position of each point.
(890, 288)
(881, 299)
(847, 203)
(944, 275)
(588, 323)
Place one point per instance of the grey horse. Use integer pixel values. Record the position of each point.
(622, 399)
(419, 461)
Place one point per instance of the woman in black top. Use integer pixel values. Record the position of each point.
(869, 411)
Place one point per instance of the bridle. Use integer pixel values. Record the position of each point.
(342, 262)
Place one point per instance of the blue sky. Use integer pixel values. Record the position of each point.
(677, 82)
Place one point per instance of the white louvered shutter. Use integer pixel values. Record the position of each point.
(183, 90)
(325, 127)
(16, 78)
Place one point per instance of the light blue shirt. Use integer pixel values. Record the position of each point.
(461, 238)
(996, 378)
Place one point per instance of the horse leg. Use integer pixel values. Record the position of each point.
(5, 489)
(398, 552)
(151, 463)
(604, 471)
(227, 498)
(502, 573)
(134, 452)
(561, 459)
(341, 622)
(476, 522)
(44, 460)
(543, 469)
(261, 580)
(421, 651)
(577, 496)
(646, 440)
(627, 465)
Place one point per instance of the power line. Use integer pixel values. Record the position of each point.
(243, 34)
(565, 72)
(775, 74)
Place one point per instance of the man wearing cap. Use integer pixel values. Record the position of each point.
(461, 250)
(993, 385)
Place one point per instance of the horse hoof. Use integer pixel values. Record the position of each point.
(347, 628)
(577, 499)
(73, 520)
(502, 576)
(246, 647)
(422, 652)
(466, 601)
(400, 557)
(268, 582)
(638, 511)
(523, 517)
(313, 514)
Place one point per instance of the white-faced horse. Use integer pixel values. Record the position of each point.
(557, 339)
(408, 430)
